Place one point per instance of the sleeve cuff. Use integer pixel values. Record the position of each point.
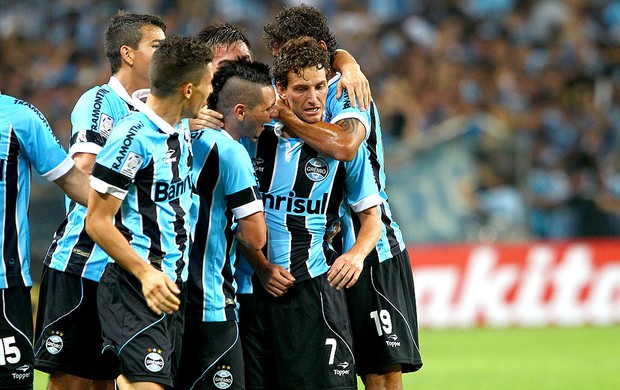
(105, 188)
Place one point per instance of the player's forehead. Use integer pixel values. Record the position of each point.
(151, 34)
(230, 52)
(307, 77)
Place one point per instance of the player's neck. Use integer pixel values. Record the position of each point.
(169, 109)
(129, 81)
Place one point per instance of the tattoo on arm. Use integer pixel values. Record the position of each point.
(349, 125)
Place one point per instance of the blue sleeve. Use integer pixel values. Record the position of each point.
(361, 187)
(240, 184)
(38, 142)
(92, 120)
(121, 158)
(339, 109)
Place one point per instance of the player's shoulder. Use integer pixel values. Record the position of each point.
(20, 112)
(96, 96)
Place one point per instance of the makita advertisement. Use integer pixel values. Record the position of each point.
(531, 284)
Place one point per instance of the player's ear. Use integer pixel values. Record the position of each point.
(323, 44)
(281, 90)
(239, 111)
(127, 54)
(187, 89)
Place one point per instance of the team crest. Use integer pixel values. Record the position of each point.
(132, 164)
(54, 343)
(223, 378)
(316, 169)
(105, 125)
(153, 361)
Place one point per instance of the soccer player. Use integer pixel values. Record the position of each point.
(381, 304)
(229, 207)
(138, 213)
(229, 43)
(26, 140)
(304, 339)
(65, 348)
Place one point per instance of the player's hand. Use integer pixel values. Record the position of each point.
(356, 84)
(275, 279)
(206, 119)
(283, 109)
(160, 292)
(345, 271)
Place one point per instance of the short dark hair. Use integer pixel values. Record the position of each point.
(296, 55)
(225, 34)
(232, 84)
(295, 22)
(177, 61)
(125, 28)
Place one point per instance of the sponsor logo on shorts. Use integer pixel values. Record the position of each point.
(343, 369)
(54, 343)
(316, 169)
(25, 372)
(223, 379)
(153, 361)
(392, 341)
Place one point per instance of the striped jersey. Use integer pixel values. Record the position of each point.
(147, 163)
(303, 192)
(391, 242)
(92, 119)
(225, 190)
(26, 140)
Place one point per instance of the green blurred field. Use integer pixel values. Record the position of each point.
(496, 359)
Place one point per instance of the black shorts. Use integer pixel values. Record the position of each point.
(212, 357)
(308, 334)
(16, 357)
(147, 345)
(383, 316)
(68, 332)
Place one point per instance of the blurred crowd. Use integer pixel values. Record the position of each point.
(538, 80)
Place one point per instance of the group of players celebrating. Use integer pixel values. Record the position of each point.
(237, 233)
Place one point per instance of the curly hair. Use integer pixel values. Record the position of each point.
(296, 55)
(125, 28)
(235, 82)
(225, 34)
(295, 22)
(177, 61)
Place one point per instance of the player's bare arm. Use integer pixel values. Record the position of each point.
(75, 184)
(339, 140)
(252, 231)
(159, 290)
(276, 280)
(85, 162)
(352, 79)
(347, 267)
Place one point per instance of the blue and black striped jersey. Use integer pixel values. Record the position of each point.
(92, 119)
(303, 192)
(147, 163)
(391, 242)
(26, 140)
(226, 190)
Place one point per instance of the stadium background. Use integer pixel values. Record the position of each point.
(501, 122)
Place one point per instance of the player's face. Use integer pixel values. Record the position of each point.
(235, 51)
(200, 92)
(306, 94)
(260, 115)
(151, 38)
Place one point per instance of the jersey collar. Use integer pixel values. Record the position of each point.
(117, 87)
